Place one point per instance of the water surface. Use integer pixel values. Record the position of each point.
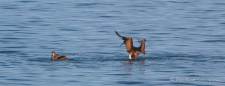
(185, 42)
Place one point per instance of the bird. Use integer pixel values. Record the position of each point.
(57, 56)
(133, 51)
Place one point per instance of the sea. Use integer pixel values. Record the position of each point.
(185, 42)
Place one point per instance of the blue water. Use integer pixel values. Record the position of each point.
(185, 42)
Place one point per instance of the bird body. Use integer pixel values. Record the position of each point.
(57, 56)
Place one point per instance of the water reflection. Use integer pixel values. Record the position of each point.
(130, 61)
(132, 66)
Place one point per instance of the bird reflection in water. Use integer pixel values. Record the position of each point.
(131, 64)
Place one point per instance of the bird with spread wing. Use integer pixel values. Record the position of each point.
(133, 51)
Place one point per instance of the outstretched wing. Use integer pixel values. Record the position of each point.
(142, 46)
(122, 37)
(127, 41)
(118, 34)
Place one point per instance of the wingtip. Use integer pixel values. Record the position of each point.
(115, 31)
(117, 34)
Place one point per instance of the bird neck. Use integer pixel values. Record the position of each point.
(132, 56)
(53, 56)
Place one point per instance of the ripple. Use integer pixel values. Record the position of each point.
(213, 41)
(182, 83)
(11, 7)
(73, 81)
(69, 29)
(16, 79)
(222, 23)
(167, 71)
(193, 76)
(27, 1)
(179, 28)
(107, 16)
(129, 82)
(118, 74)
(16, 47)
(8, 52)
(11, 30)
(183, 2)
(86, 4)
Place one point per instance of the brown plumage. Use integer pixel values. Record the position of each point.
(133, 51)
(57, 56)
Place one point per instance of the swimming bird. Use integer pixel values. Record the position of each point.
(133, 51)
(57, 56)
